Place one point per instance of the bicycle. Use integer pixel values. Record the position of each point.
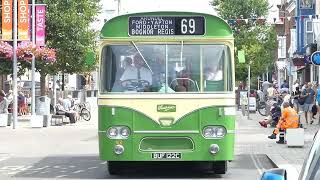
(262, 108)
(83, 110)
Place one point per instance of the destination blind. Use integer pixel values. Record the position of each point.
(166, 26)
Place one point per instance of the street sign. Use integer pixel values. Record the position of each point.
(315, 58)
(166, 25)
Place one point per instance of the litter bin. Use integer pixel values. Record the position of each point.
(43, 108)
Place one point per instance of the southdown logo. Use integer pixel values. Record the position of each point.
(166, 108)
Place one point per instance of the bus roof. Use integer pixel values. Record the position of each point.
(118, 27)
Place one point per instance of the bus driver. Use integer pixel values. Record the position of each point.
(138, 72)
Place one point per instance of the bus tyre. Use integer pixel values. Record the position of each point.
(114, 168)
(219, 167)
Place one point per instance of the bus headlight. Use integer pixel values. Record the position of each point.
(214, 132)
(118, 132)
(124, 132)
(112, 132)
(221, 132)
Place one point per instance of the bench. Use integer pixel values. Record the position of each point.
(60, 119)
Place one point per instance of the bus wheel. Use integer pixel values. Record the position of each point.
(114, 168)
(219, 167)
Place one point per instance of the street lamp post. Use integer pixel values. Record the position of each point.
(249, 82)
(15, 68)
(33, 89)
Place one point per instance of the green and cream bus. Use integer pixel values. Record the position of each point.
(166, 90)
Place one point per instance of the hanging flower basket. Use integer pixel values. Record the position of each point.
(5, 51)
(25, 51)
(46, 54)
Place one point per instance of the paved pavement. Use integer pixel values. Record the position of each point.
(252, 139)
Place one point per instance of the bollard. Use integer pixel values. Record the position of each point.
(9, 119)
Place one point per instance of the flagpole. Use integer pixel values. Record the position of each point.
(15, 67)
(33, 89)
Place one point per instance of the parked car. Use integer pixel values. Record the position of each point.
(310, 169)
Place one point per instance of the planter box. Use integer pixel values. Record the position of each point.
(3, 120)
(295, 137)
(36, 121)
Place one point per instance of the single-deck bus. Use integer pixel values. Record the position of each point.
(166, 89)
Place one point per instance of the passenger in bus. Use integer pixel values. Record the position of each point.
(209, 74)
(213, 74)
(182, 82)
(180, 87)
(137, 72)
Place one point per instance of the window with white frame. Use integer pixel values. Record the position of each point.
(309, 36)
(281, 47)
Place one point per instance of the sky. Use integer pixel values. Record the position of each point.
(132, 6)
(156, 5)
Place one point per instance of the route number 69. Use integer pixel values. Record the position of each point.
(188, 26)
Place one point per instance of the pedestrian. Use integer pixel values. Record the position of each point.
(289, 119)
(272, 94)
(295, 86)
(3, 102)
(61, 111)
(21, 104)
(318, 100)
(308, 95)
(296, 95)
(284, 86)
(28, 98)
(265, 86)
(273, 118)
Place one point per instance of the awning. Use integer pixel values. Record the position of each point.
(299, 61)
(300, 68)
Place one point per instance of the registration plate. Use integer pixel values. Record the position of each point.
(166, 155)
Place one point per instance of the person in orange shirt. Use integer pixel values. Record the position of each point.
(289, 119)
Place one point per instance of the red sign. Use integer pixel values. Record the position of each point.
(23, 20)
(6, 19)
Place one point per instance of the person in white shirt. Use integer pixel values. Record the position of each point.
(295, 85)
(67, 103)
(136, 72)
(213, 75)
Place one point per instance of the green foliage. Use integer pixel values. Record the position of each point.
(6, 66)
(233, 9)
(68, 31)
(258, 40)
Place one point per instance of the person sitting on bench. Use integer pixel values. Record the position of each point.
(61, 111)
(289, 119)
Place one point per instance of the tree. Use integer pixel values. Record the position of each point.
(257, 38)
(68, 31)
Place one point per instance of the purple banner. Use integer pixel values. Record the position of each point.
(40, 25)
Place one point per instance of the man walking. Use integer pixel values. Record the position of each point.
(308, 95)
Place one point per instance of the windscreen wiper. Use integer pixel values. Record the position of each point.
(142, 56)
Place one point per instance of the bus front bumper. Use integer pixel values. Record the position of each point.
(168, 147)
